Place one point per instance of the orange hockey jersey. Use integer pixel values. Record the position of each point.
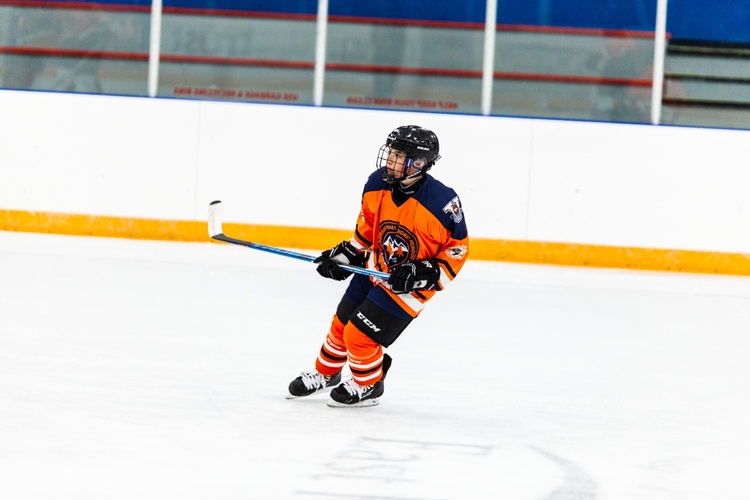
(427, 225)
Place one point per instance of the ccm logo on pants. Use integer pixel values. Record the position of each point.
(367, 322)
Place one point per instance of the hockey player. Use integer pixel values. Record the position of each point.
(410, 225)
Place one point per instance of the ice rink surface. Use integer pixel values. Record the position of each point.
(155, 370)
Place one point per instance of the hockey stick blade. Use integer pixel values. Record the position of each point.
(215, 210)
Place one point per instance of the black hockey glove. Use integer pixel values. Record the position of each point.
(422, 275)
(343, 253)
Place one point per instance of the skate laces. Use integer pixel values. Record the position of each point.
(313, 380)
(354, 388)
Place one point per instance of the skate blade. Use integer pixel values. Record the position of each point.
(362, 404)
(322, 391)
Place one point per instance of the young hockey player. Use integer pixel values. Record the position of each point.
(411, 226)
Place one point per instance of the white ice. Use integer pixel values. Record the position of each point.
(155, 370)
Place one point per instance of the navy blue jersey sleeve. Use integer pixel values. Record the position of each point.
(445, 205)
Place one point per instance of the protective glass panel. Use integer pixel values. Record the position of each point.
(580, 59)
(393, 63)
(594, 72)
(238, 55)
(74, 49)
(707, 66)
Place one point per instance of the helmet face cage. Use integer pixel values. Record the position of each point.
(409, 147)
(400, 161)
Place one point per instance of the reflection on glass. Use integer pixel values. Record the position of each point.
(573, 73)
(626, 69)
(27, 28)
(85, 31)
(581, 59)
(74, 49)
(241, 57)
(404, 65)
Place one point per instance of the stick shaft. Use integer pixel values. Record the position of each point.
(215, 232)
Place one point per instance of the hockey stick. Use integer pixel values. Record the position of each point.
(215, 231)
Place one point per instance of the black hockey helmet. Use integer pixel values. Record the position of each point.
(418, 143)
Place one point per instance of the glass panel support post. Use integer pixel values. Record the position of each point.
(154, 50)
(320, 52)
(660, 41)
(488, 67)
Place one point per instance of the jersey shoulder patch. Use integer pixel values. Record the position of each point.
(454, 210)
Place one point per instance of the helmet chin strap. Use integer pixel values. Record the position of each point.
(420, 171)
(409, 177)
(409, 189)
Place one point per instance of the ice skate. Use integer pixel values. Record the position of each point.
(352, 395)
(312, 382)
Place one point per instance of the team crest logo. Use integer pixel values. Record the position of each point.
(398, 243)
(457, 253)
(453, 208)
